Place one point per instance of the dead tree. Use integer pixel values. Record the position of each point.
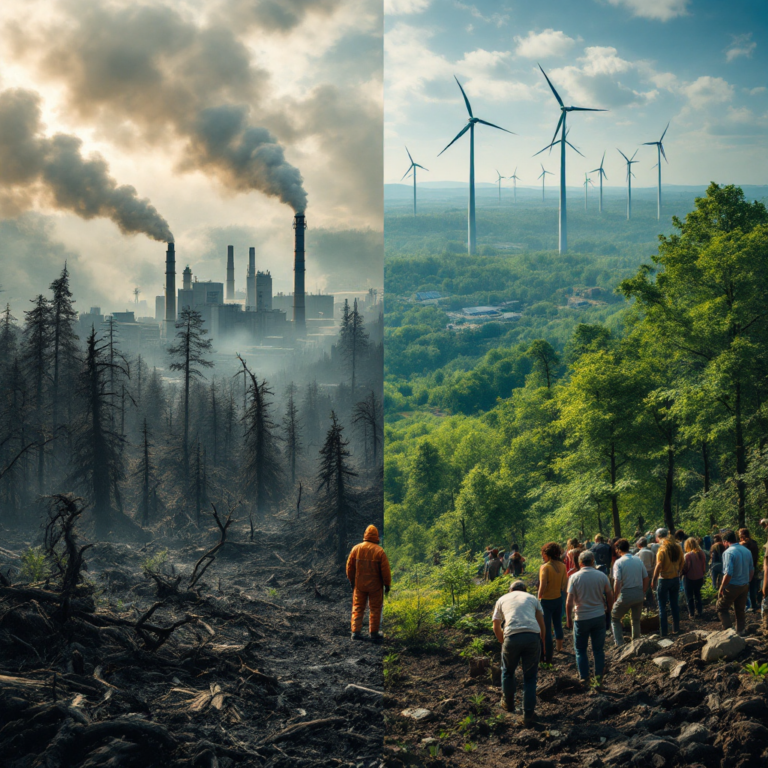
(368, 416)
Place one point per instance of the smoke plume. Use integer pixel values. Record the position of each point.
(34, 166)
(149, 70)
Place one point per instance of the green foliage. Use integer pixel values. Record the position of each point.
(757, 670)
(273, 593)
(392, 669)
(474, 649)
(631, 671)
(470, 746)
(154, 563)
(33, 564)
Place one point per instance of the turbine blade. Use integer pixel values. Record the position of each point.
(585, 109)
(549, 146)
(407, 173)
(661, 147)
(633, 157)
(421, 166)
(557, 95)
(664, 134)
(622, 154)
(409, 155)
(458, 135)
(557, 130)
(602, 161)
(649, 143)
(485, 122)
(572, 147)
(466, 100)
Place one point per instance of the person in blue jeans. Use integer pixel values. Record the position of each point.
(521, 638)
(666, 580)
(590, 598)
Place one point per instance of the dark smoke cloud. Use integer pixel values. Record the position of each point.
(32, 165)
(276, 15)
(148, 69)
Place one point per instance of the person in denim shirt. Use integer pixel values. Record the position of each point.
(738, 570)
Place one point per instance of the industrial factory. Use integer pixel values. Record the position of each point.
(260, 315)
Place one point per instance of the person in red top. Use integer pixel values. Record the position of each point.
(369, 574)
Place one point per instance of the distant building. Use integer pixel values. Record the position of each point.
(480, 311)
(159, 308)
(428, 297)
(89, 320)
(318, 306)
(264, 292)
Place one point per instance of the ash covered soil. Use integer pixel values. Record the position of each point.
(661, 706)
(258, 671)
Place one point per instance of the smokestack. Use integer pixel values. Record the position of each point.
(299, 322)
(186, 282)
(250, 280)
(230, 273)
(170, 288)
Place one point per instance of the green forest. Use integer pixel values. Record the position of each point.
(644, 407)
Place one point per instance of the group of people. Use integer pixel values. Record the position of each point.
(594, 587)
(497, 562)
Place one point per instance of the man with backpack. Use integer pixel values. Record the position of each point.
(603, 554)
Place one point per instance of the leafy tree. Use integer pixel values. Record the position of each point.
(706, 298)
(545, 360)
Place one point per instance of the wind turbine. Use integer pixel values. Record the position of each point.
(563, 241)
(412, 167)
(601, 174)
(630, 162)
(659, 152)
(500, 178)
(587, 182)
(515, 178)
(470, 126)
(543, 177)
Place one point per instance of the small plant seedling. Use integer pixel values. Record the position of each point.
(631, 670)
(596, 682)
(477, 701)
(757, 670)
(120, 605)
(470, 746)
(475, 648)
(467, 723)
(33, 566)
(434, 750)
(155, 563)
(544, 665)
(273, 592)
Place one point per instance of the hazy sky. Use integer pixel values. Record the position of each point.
(213, 111)
(700, 64)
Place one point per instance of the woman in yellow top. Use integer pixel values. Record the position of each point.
(553, 581)
(666, 579)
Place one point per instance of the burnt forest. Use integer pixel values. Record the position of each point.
(173, 534)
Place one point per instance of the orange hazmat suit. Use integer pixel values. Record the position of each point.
(368, 572)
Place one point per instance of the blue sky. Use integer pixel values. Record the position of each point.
(700, 64)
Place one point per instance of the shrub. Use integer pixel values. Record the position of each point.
(33, 565)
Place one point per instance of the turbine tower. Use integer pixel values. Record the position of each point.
(500, 178)
(659, 152)
(412, 167)
(601, 175)
(587, 182)
(514, 178)
(470, 126)
(543, 177)
(561, 125)
(630, 162)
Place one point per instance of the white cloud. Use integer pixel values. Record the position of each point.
(756, 91)
(741, 45)
(398, 7)
(544, 44)
(603, 79)
(707, 91)
(659, 10)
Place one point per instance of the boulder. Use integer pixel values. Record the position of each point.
(727, 644)
(665, 642)
(754, 706)
(677, 670)
(665, 662)
(693, 732)
(693, 636)
(419, 714)
(643, 646)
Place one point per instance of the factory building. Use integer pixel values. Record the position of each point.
(264, 292)
(317, 306)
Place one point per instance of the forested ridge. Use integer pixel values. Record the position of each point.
(647, 407)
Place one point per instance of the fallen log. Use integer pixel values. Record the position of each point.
(300, 728)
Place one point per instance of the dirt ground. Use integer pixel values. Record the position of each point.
(261, 673)
(707, 714)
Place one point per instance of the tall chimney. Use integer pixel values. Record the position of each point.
(170, 288)
(186, 282)
(230, 273)
(299, 322)
(250, 280)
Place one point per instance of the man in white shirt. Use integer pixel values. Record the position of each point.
(521, 641)
(630, 582)
(589, 598)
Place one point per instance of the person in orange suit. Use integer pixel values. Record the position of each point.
(368, 573)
